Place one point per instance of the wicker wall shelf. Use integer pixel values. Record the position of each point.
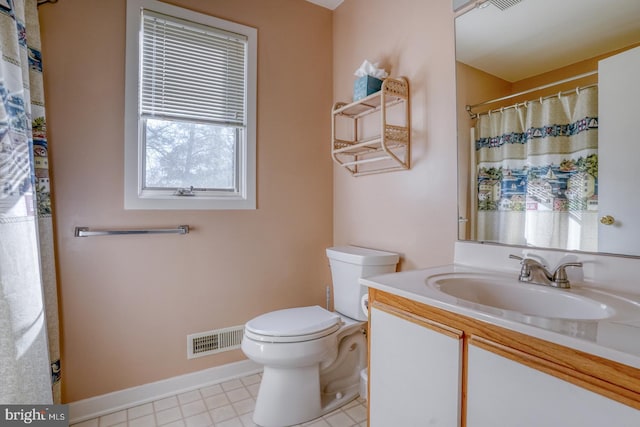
(388, 147)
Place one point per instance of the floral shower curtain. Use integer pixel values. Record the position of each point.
(29, 349)
(537, 172)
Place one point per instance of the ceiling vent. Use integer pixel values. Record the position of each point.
(211, 342)
(504, 4)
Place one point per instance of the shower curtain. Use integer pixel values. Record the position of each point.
(537, 172)
(29, 349)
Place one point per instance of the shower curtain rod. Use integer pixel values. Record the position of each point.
(504, 98)
(524, 103)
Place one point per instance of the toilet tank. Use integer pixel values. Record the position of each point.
(350, 263)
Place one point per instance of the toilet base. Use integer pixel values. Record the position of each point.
(290, 396)
(282, 402)
(333, 402)
(287, 396)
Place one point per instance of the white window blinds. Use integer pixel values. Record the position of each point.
(192, 72)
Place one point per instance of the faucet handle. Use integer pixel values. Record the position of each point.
(525, 270)
(528, 262)
(560, 275)
(512, 256)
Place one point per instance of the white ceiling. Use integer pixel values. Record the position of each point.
(536, 36)
(329, 4)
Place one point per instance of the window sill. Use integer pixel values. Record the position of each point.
(170, 202)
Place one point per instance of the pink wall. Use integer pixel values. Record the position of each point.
(413, 212)
(128, 302)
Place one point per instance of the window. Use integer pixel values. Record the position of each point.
(190, 110)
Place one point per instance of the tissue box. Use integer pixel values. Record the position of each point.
(365, 86)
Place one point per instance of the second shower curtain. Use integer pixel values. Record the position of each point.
(537, 172)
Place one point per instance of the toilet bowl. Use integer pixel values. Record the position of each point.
(306, 375)
(313, 357)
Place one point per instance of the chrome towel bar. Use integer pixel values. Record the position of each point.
(85, 232)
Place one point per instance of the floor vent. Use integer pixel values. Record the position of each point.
(505, 4)
(211, 342)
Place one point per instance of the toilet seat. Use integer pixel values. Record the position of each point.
(293, 325)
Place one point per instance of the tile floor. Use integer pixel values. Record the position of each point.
(229, 404)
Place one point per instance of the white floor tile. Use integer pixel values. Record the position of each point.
(211, 390)
(217, 401)
(247, 420)
(317, 423)
(113, 419)
(339, 419)
(169, 402)
(244, 406)
(229, 404)
(238, 394)
(358, 413)
(223, 413)
(139, 411)
(354, 402)
(200, 420)
(144, 421)
(193, 408)
(251, 379)
(189, 397)
(231, 385)
(168, 416)
(253, 389)
(233, 422)
(89, 423)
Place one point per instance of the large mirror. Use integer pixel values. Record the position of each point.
(546, 94)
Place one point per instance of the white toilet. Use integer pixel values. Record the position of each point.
(313, 357)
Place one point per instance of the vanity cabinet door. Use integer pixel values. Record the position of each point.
(618, 152)
(414, 370)
(502, 392)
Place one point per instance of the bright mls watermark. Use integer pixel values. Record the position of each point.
(34, 415)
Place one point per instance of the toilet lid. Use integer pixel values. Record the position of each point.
(307, 322)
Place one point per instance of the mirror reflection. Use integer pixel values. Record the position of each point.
(545, 91)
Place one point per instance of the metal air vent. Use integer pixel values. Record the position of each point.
(216, 341)
(504, 4)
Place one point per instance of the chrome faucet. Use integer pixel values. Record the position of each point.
(534, 272)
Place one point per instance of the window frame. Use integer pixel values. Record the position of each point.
(135, 197)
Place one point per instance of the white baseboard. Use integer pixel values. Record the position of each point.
(97, 406)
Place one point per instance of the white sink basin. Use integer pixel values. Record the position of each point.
(508, 293)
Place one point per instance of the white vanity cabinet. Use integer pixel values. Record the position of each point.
(432, 367)
(502, 392)
(415, 370)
